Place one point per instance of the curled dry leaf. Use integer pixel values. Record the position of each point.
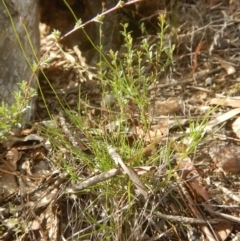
(226, 65)
(226, 158)
(236, 127)
(12, 158)
(131, 173)
(172, 105)
(188, 172)
(155, 134)
(144, 169)
(29, 131)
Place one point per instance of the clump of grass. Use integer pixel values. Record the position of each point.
(124, 79)
(126, 83)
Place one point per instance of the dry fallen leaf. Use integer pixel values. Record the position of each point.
(172, 105)
(188, 172)
(226, 65)
(226, 158)
(8, 180)
(50, 222)
(131, 173)
(236, 127)
(155, 134)
(195, 62)
(12, 158)
(150, 136)
(226, 116)
(69, 57)
(225, 102)
(224, 229)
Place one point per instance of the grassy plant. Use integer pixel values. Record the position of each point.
(124, 77)
(124, 80)
(14, 114)
(111, 209)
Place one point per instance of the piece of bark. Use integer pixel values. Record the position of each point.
(14, 68)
